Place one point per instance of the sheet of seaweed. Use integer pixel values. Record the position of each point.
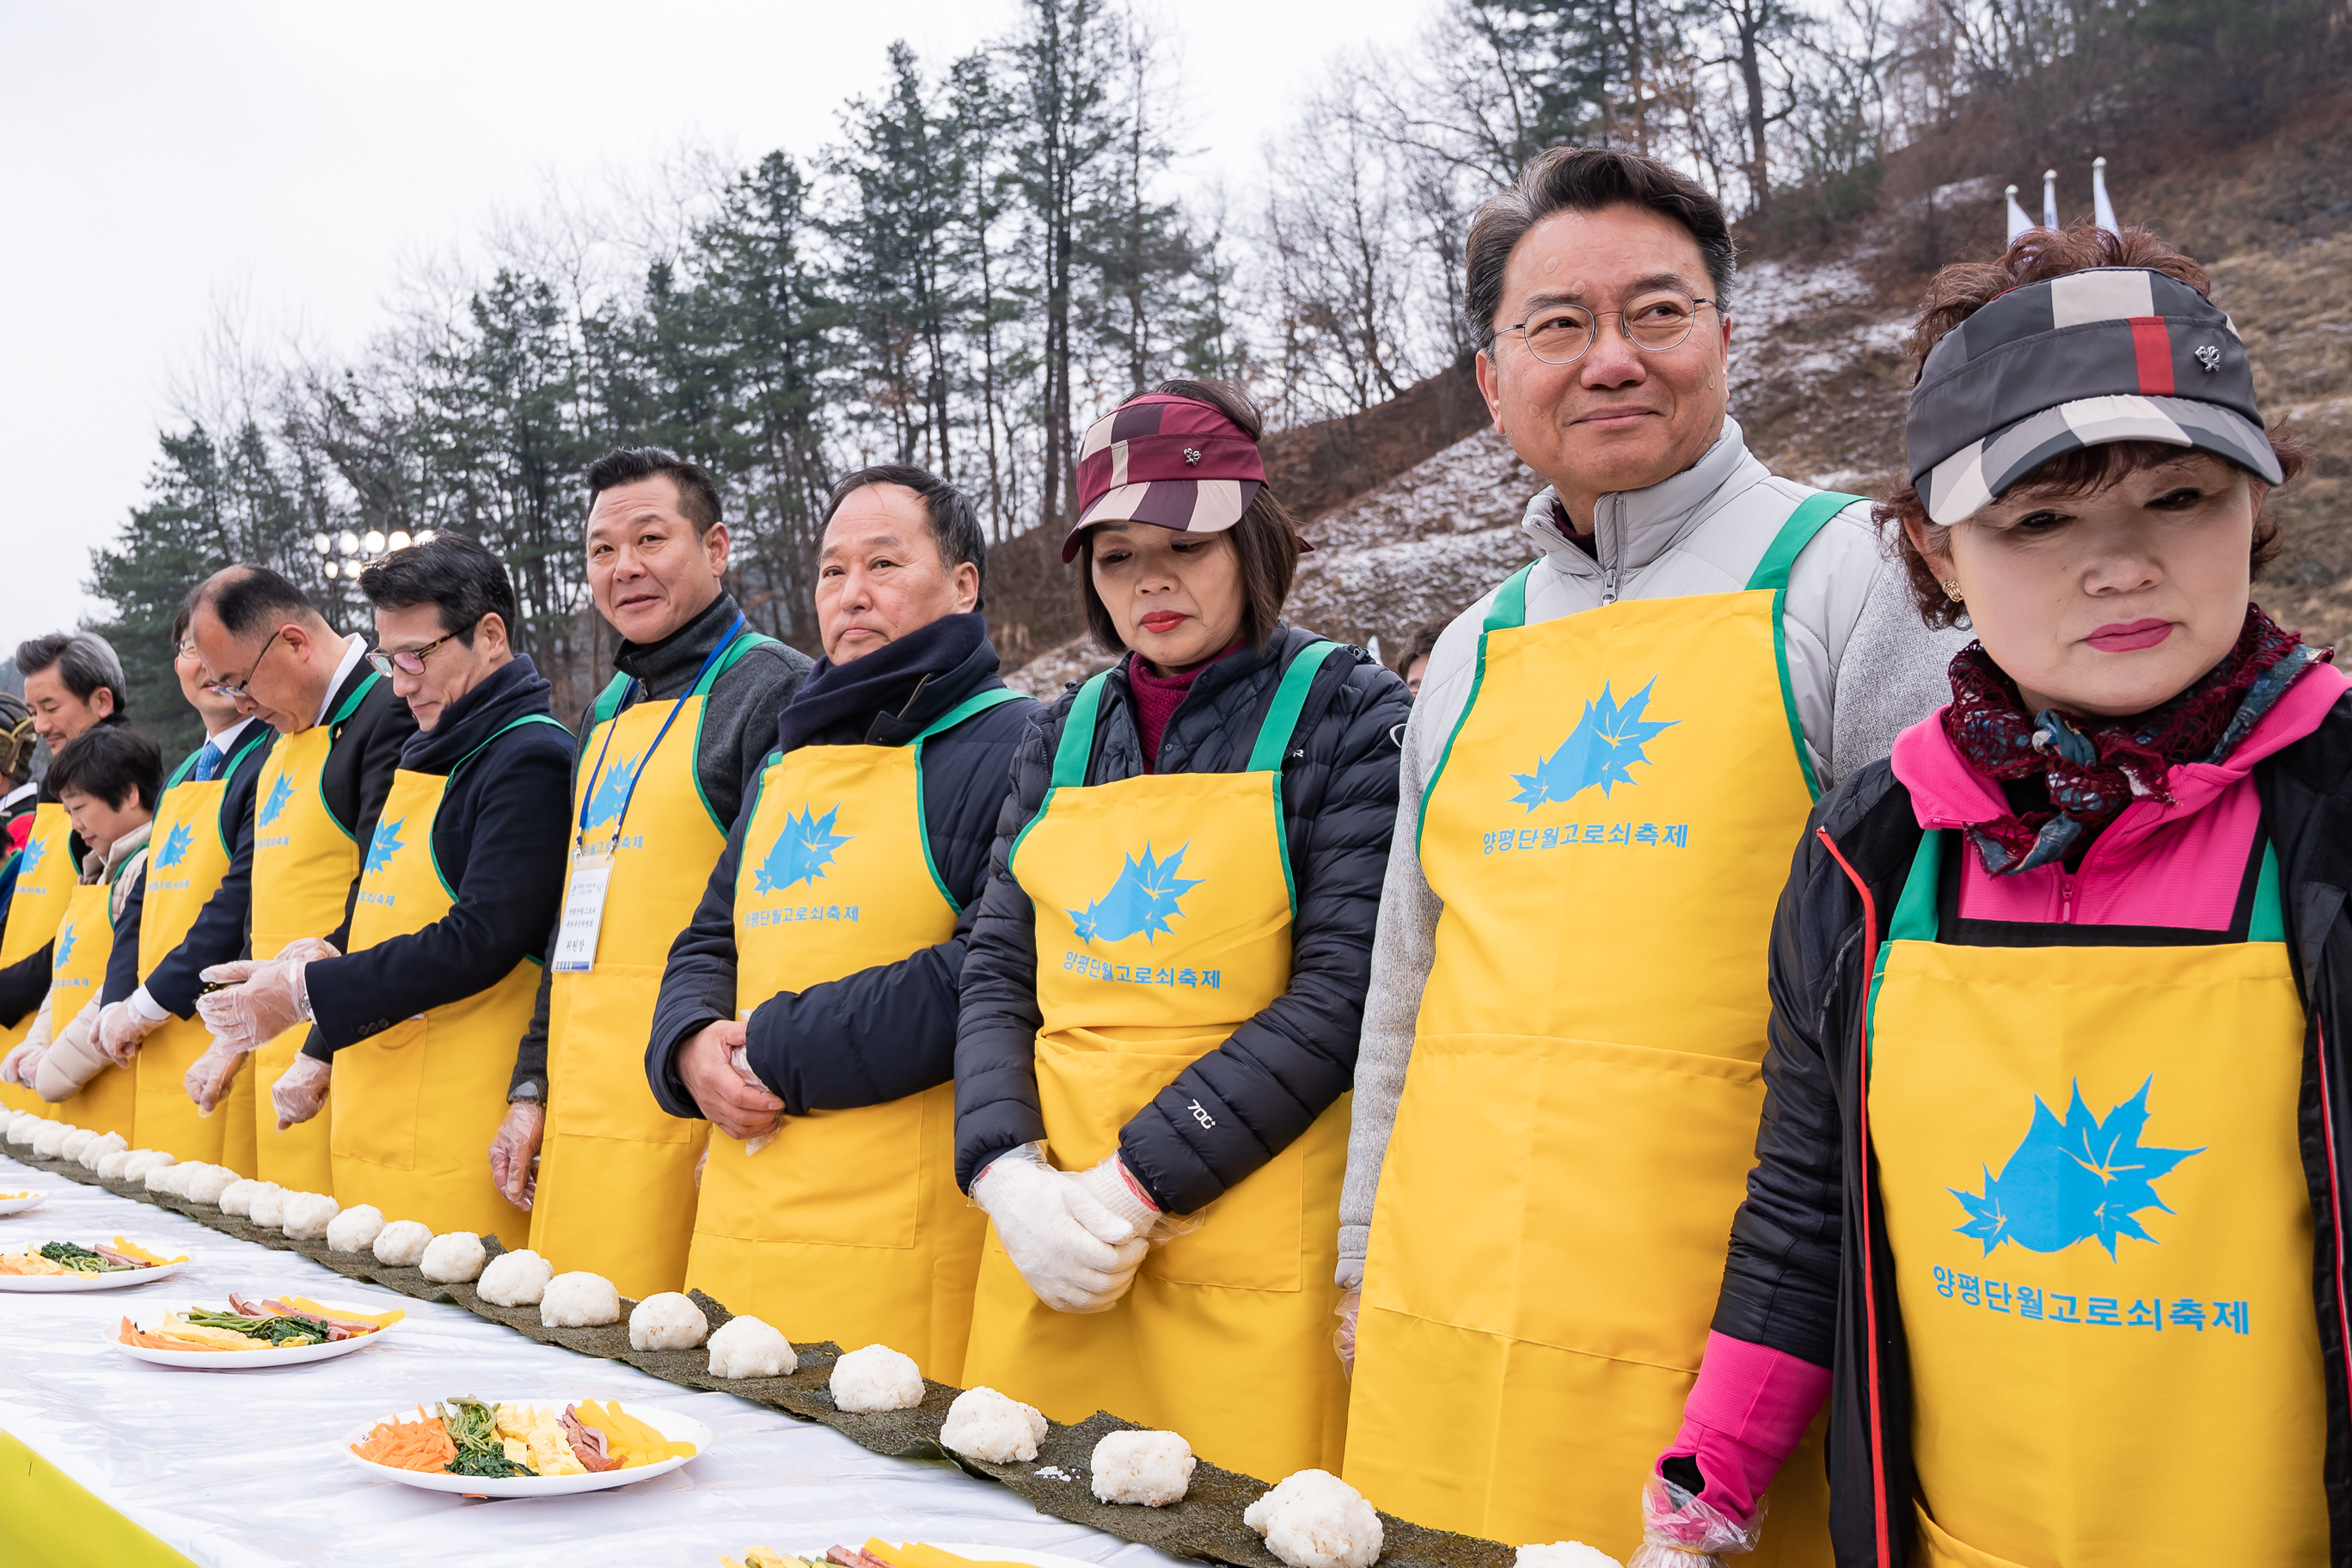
(1206, 1525)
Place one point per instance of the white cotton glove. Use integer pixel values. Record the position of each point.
(208, 1078)
(120, 1027)
(514, 1151)
(1678, 1531)
(1074, 1253)
(301, 1091)
(20, 1065)
(262, 999)
(1110, 1183)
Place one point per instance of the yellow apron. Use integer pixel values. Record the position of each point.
(77, 975)
(2088, 1159)
(615, 1171)
(1226, 1334)
(304, 863)
(414, 1107)
(849, 1227)
(45, 884)
(187, 858)
(1579, 1113)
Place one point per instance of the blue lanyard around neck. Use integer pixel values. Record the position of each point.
(721, 647)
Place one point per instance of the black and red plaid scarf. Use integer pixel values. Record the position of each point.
(2096, 767)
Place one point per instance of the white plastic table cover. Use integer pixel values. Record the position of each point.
(239, 1470)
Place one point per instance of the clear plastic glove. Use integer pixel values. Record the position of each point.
(301, 1091)
(208, 1077)
(120, 1027)
(20, 1065)
(740, 1060)
(1074, 1253)
(1679, 1531)
(514, 1151)
(1343, 1338)
(706, 1066)
(261, 1000)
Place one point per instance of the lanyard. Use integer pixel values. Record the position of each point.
(721, 646)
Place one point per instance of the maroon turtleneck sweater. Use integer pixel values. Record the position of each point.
(1156, 697)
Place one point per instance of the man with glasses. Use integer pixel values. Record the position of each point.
(189, 911)
(315, 801)
(414, 1021)
(1612, 757)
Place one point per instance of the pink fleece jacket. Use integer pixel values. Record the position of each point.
(2160, 863)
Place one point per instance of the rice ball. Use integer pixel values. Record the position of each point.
(876, 1378)
(99, 1147)
(267, 1209)
(111, 1168)
(578, 1300)
(453, 1258)
(515, 1279)
(667, 1320)
(1315, 1519)
(205, 1184)
(1565, 1554)
(71, 1146)
(237, 1197)
(51, 1136)
(746, 1347)
(307, 1216)
(356, 1229)
(985, 1425)
(22, 1125)
(1153, 1468)
(142, 1160)
(163, 1178)
(401, 1244)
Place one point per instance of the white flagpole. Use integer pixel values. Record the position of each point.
(2018, 222)
(2050, 198)
(2099, 202)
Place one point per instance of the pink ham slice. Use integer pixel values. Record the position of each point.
(587, 1444)
(336, 1328)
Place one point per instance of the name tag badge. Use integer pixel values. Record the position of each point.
(583, 914)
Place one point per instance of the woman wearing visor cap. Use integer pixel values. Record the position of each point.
(2049, 1181)
(1163, 990)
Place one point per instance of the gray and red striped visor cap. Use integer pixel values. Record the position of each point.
(1174, 461)
(2116, 353)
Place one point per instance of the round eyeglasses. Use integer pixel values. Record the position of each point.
(1654, 323)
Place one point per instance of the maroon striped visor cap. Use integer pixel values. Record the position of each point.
(1175, 462)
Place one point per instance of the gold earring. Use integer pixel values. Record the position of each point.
(1952, 589)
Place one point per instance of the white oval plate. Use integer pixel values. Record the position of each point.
(231, 1361)
(35, 1284)
(1003, 1553)
(20, 1206)
(675, 1427)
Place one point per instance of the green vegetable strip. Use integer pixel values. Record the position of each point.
(81, 1260)
(283, 1332)
(474, 1428)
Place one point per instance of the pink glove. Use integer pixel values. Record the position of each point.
(301, 1091)
(263, 999)
(514, 1151)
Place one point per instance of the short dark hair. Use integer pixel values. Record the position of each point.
(184, 615)
(1266, 538)
(85, 661)
(245, 598)
(955, 522)
(1586, 180)
(1421, 645)
(110, 762)
(1963, 289)
(698, 492)
(457, 575)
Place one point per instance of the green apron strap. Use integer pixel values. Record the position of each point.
(1813, 514)
(359, 695)
(1274, 732)
(187, 765)
(262, 735)
(1510, 605)
(1077, 747)
(2268, 922)
(1915, 912)
(962, 711)
(608, 702)
(744, 643)
(509, 724)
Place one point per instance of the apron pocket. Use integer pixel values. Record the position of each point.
(377, 1093)
(835, 1178)
(1571, 1192)
(596, 1051)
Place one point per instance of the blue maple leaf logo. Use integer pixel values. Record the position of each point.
(803, 851)
(1604, 745)
(612, 791)
(176, 846)
(281, 793)
(386, 844)
(66, 938)
(35, 851)
(2083, 1178)
(1141, 903)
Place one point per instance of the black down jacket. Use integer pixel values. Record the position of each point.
(1280, 1070)
(1800, 1278)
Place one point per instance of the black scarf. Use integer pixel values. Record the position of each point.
(838, 703)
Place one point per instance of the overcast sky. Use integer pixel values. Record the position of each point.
(157, 159)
